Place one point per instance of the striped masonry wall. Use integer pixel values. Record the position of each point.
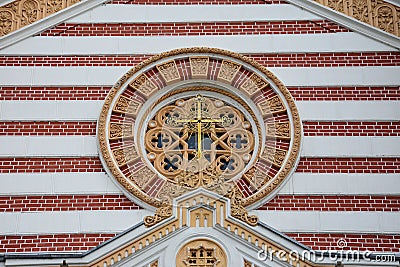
(358, 180)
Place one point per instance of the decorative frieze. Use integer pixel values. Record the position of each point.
(21, 13)
(199, 66)
(380, 14)
(125, 155)
(127, 106)
(169, 72)
(228, 70)
(274, 156)
(253, 84)
(120, 130)
(271, 106)
(144, 85)
(142, 176)
(280, 130)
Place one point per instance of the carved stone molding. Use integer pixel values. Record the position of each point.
(377, 13)
(161, 214)
(21, 13)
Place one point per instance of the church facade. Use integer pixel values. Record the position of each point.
(199, 133)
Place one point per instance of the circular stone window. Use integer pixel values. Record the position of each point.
(199, 117)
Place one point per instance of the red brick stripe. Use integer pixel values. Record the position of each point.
(345, 93)
(361, 242)
(65, 203)
(306, 165)
(84, 242)
(311, 128)
(349, 165)
(268, 60)
(52, 128)
(190, 29)
(120, 202)
(333, 203)
(196, 2)
(299, 93)
(351, 128)
(51, 243)
(50, 165)
(54, 93)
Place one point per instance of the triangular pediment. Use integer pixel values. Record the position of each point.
(201, 220)
(374, 26)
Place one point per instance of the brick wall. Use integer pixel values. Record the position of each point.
(268, 60)
(361, 242)
(192, 29)
(299, 93)
(51, 243)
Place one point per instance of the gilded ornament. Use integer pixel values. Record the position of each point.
(144, 85)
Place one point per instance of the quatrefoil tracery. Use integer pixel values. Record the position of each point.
(187, 139)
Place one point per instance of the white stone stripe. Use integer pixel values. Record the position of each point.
(191, 13)
(89, 110)
(313, 146)
(48, 146)
(264, 43)
(81, 183)
(69, 183)
(342, 184)
(20, 223)
(290, 76)
(69, 222)
(339, 222)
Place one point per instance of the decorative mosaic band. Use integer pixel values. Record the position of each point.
(21, 13)
(377, 13)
